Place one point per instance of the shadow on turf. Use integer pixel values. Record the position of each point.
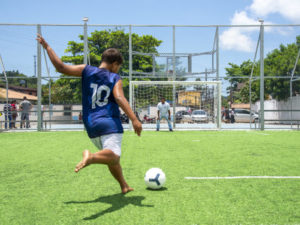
(161, 189)
(117, 201)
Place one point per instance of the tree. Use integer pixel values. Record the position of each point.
(98, 41)
(63, 91)
(279, 62)
(15, 78)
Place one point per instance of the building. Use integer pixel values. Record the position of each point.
(15, 95)
(240, 105)
(189, 98)
(25, 90)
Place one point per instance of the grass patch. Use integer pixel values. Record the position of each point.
(38, 185)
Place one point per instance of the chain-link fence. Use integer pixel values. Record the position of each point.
(257, 64)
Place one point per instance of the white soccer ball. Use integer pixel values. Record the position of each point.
(155, 178)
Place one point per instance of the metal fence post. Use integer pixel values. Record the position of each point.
(39, 82)
(217, 78)
(250, 81)
(85, 47)
(291, 88)
(6, 87)
(130, 73)
(130, 53)
(153, 65)
(174, 78)
(190, 69)
(262, 86)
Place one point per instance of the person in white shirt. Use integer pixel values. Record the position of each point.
(163, 111)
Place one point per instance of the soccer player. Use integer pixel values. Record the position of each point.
(102, 94)
(163, 111)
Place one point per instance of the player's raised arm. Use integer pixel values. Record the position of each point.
(123, 103)
(72, 70)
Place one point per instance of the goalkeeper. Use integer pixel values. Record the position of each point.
(163, 111)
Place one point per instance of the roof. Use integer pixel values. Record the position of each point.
(15, 95)
(19, 88)
(240, 106)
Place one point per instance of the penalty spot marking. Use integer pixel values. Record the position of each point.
(242, 177)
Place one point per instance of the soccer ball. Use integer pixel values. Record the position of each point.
(155, 178)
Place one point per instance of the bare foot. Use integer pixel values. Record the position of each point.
(86, 156)
(127, 189)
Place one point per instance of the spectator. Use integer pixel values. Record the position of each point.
(232, 119)
(227, 116)
(7, 114)
(14, 113)
(25, 107)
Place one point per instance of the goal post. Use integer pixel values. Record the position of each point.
(194, 105)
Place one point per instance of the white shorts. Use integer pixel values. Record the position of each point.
(112, 142)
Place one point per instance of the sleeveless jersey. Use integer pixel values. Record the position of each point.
(101, 114)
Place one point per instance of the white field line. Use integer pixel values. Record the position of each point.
(242, 177)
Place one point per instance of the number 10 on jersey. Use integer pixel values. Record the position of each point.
(98, 97)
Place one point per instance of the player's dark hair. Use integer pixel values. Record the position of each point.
(112, 55)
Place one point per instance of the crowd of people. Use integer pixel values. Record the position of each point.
(11, 113)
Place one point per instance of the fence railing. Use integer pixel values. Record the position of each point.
(69, 119)
(50, 120)
(280, 119)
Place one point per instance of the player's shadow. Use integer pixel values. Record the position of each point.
(117, 202)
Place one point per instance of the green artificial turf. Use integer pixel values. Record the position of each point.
(38, 185)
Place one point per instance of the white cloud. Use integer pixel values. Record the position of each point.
(242, 18)
(290, 9)
(234, 39)
(239, 38)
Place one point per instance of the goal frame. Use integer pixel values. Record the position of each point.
(218, 85)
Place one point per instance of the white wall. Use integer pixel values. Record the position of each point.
(293, 103)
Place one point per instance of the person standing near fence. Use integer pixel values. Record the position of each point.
(7, 114)
(232, 119)
(163, 112)
(14, 114)
(25, 107)
(227, 115)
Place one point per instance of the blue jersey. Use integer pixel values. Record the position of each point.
(101, 114)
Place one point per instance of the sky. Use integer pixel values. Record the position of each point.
(17, 44)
